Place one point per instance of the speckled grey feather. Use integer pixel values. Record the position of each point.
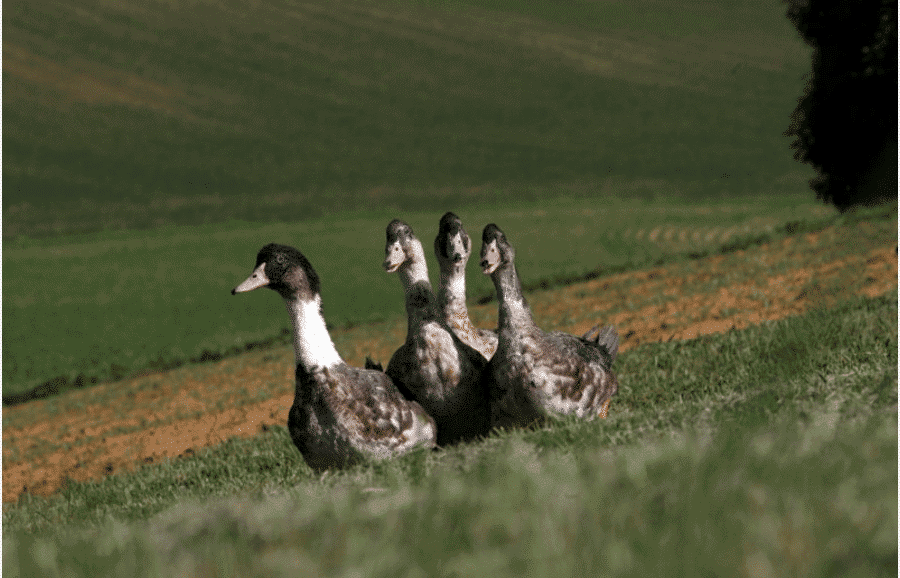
(433, 366)
(341, 414)
(452, 247)
(536, 374)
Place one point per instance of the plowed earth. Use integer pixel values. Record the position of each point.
(115, 427)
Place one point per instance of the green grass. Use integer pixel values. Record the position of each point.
(665, 19)
(330, 118)
(105, 305)
(119, 115)
(769, 451)
(220, 126)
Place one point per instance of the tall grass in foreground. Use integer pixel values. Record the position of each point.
(765, 452)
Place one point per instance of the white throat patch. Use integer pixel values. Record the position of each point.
(312, 342)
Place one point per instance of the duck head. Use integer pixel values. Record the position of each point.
(283, 269)
(400, 245)
(452, 244)
(495, 250)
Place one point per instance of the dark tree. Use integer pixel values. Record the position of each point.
(845, 125)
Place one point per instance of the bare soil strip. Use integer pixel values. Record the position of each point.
(115, 427)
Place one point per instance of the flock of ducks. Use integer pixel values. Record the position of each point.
(449, 381)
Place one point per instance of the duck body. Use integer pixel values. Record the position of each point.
(335, 425)
(535, 374)
(539, 375)
(433, 366)
(452, 247)
(340, 414)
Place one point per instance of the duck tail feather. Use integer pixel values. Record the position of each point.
(608, 338)
(589, 334)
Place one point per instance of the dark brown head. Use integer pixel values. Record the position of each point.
(283, 269)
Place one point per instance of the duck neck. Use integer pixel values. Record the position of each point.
(421, 307)
(415, 269)
(420, 302)
(514, 310)
(312, 343)
(452, 294)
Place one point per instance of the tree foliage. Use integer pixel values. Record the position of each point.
(845, 124)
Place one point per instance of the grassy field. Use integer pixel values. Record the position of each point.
(105, 305)
(111, 428)
(763, 452)
(150, 151)
(282, 111)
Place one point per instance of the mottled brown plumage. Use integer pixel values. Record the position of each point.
(536, 374)
(340, 414)
(433, 366)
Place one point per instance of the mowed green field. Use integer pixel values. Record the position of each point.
(128, 114)
(150, 150)
(105, 305)
(770, 451)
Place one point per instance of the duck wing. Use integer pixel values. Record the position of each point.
(473, 417)
(402, 369)
(444, 375)
(379, 420)
(573, 376)
(344, 413)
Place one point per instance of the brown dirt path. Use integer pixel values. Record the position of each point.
(115, 427)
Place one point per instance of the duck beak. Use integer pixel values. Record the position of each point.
(256, 280)
(394, 257)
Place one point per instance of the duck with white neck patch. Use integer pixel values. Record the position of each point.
(452, 247)
(536, 374)
(433, 366)
(340, 413)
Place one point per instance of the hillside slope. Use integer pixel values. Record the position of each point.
(115, 427)
(119, 104)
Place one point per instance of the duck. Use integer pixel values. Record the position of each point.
(452, 247)
(341, 415)
(534, 374)
(433, 366)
